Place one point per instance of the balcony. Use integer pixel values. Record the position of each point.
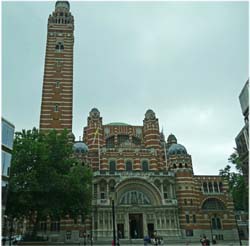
(133, 173)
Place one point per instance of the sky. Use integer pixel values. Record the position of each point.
(187, 61)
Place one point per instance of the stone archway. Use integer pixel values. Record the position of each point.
(144, 192)
(135, 196)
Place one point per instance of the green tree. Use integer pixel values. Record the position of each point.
(46, 179)
(237, 186)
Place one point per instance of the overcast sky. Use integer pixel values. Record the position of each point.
(188, 61)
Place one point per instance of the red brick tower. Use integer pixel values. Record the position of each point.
(93, 137)
(151, 136)
(56, 108)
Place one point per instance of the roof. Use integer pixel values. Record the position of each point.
(117, 124)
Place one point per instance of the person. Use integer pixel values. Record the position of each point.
(119, 234)
(204, 241)
(207, 242)
(214, 239)
(135, 234)
(159, 240)
(155, 241)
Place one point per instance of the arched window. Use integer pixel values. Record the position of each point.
(136, 141)
(112, 185)
(210, 187)
(55, 108)
(166, 190)
(180, 165)
(194, 218)
(174, 166)
(59, 46)
(123, 140)
(128, 166)
(110, 142)
(216, 187)
(145, 166)
(205, 187)
(186, 166)
(57, 84)
(221, 187)
(187, 218)
(185, 201)
(112, 167)
(213, 204)
(103, 189)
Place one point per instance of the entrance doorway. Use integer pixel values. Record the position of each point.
(151, 230)
(136, 225)
(120, 231)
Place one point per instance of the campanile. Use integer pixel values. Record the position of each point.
(57, 94)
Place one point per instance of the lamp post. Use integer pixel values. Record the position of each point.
(237, 229)
(211, 229)
(113, 216)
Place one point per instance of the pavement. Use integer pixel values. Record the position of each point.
(222, 243)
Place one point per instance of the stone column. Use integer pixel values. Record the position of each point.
(126, 226)
(172, 191)
(98, 221)
(145, 232)
(107, 197)
(98, 192)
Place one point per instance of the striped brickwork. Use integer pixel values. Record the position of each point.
(57, 93)
(142, 143)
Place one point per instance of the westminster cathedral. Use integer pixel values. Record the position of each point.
(143, 182)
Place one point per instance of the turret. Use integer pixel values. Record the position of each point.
(151, 130)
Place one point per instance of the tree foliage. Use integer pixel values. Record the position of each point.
(45, 178)
(237, 186)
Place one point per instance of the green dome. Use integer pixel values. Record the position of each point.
(117, 124)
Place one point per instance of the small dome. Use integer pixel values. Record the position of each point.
(62, 4)
(80, 147)
(177, 149)
(117, 124)
(150, 114)
(94, 113)
(172, 139)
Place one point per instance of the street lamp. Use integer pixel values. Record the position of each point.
(238, 229)
(112, 197)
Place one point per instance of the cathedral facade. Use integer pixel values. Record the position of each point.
(148, 179)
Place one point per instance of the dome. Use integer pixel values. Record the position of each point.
(80, 147)
(94, 113)
(62, 4)
(172, 139)
(117, 124)
(177, 149)
(150, 114)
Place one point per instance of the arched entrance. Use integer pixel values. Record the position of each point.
(136, 196)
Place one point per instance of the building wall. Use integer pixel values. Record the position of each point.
(7, 145)
(242, 139)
